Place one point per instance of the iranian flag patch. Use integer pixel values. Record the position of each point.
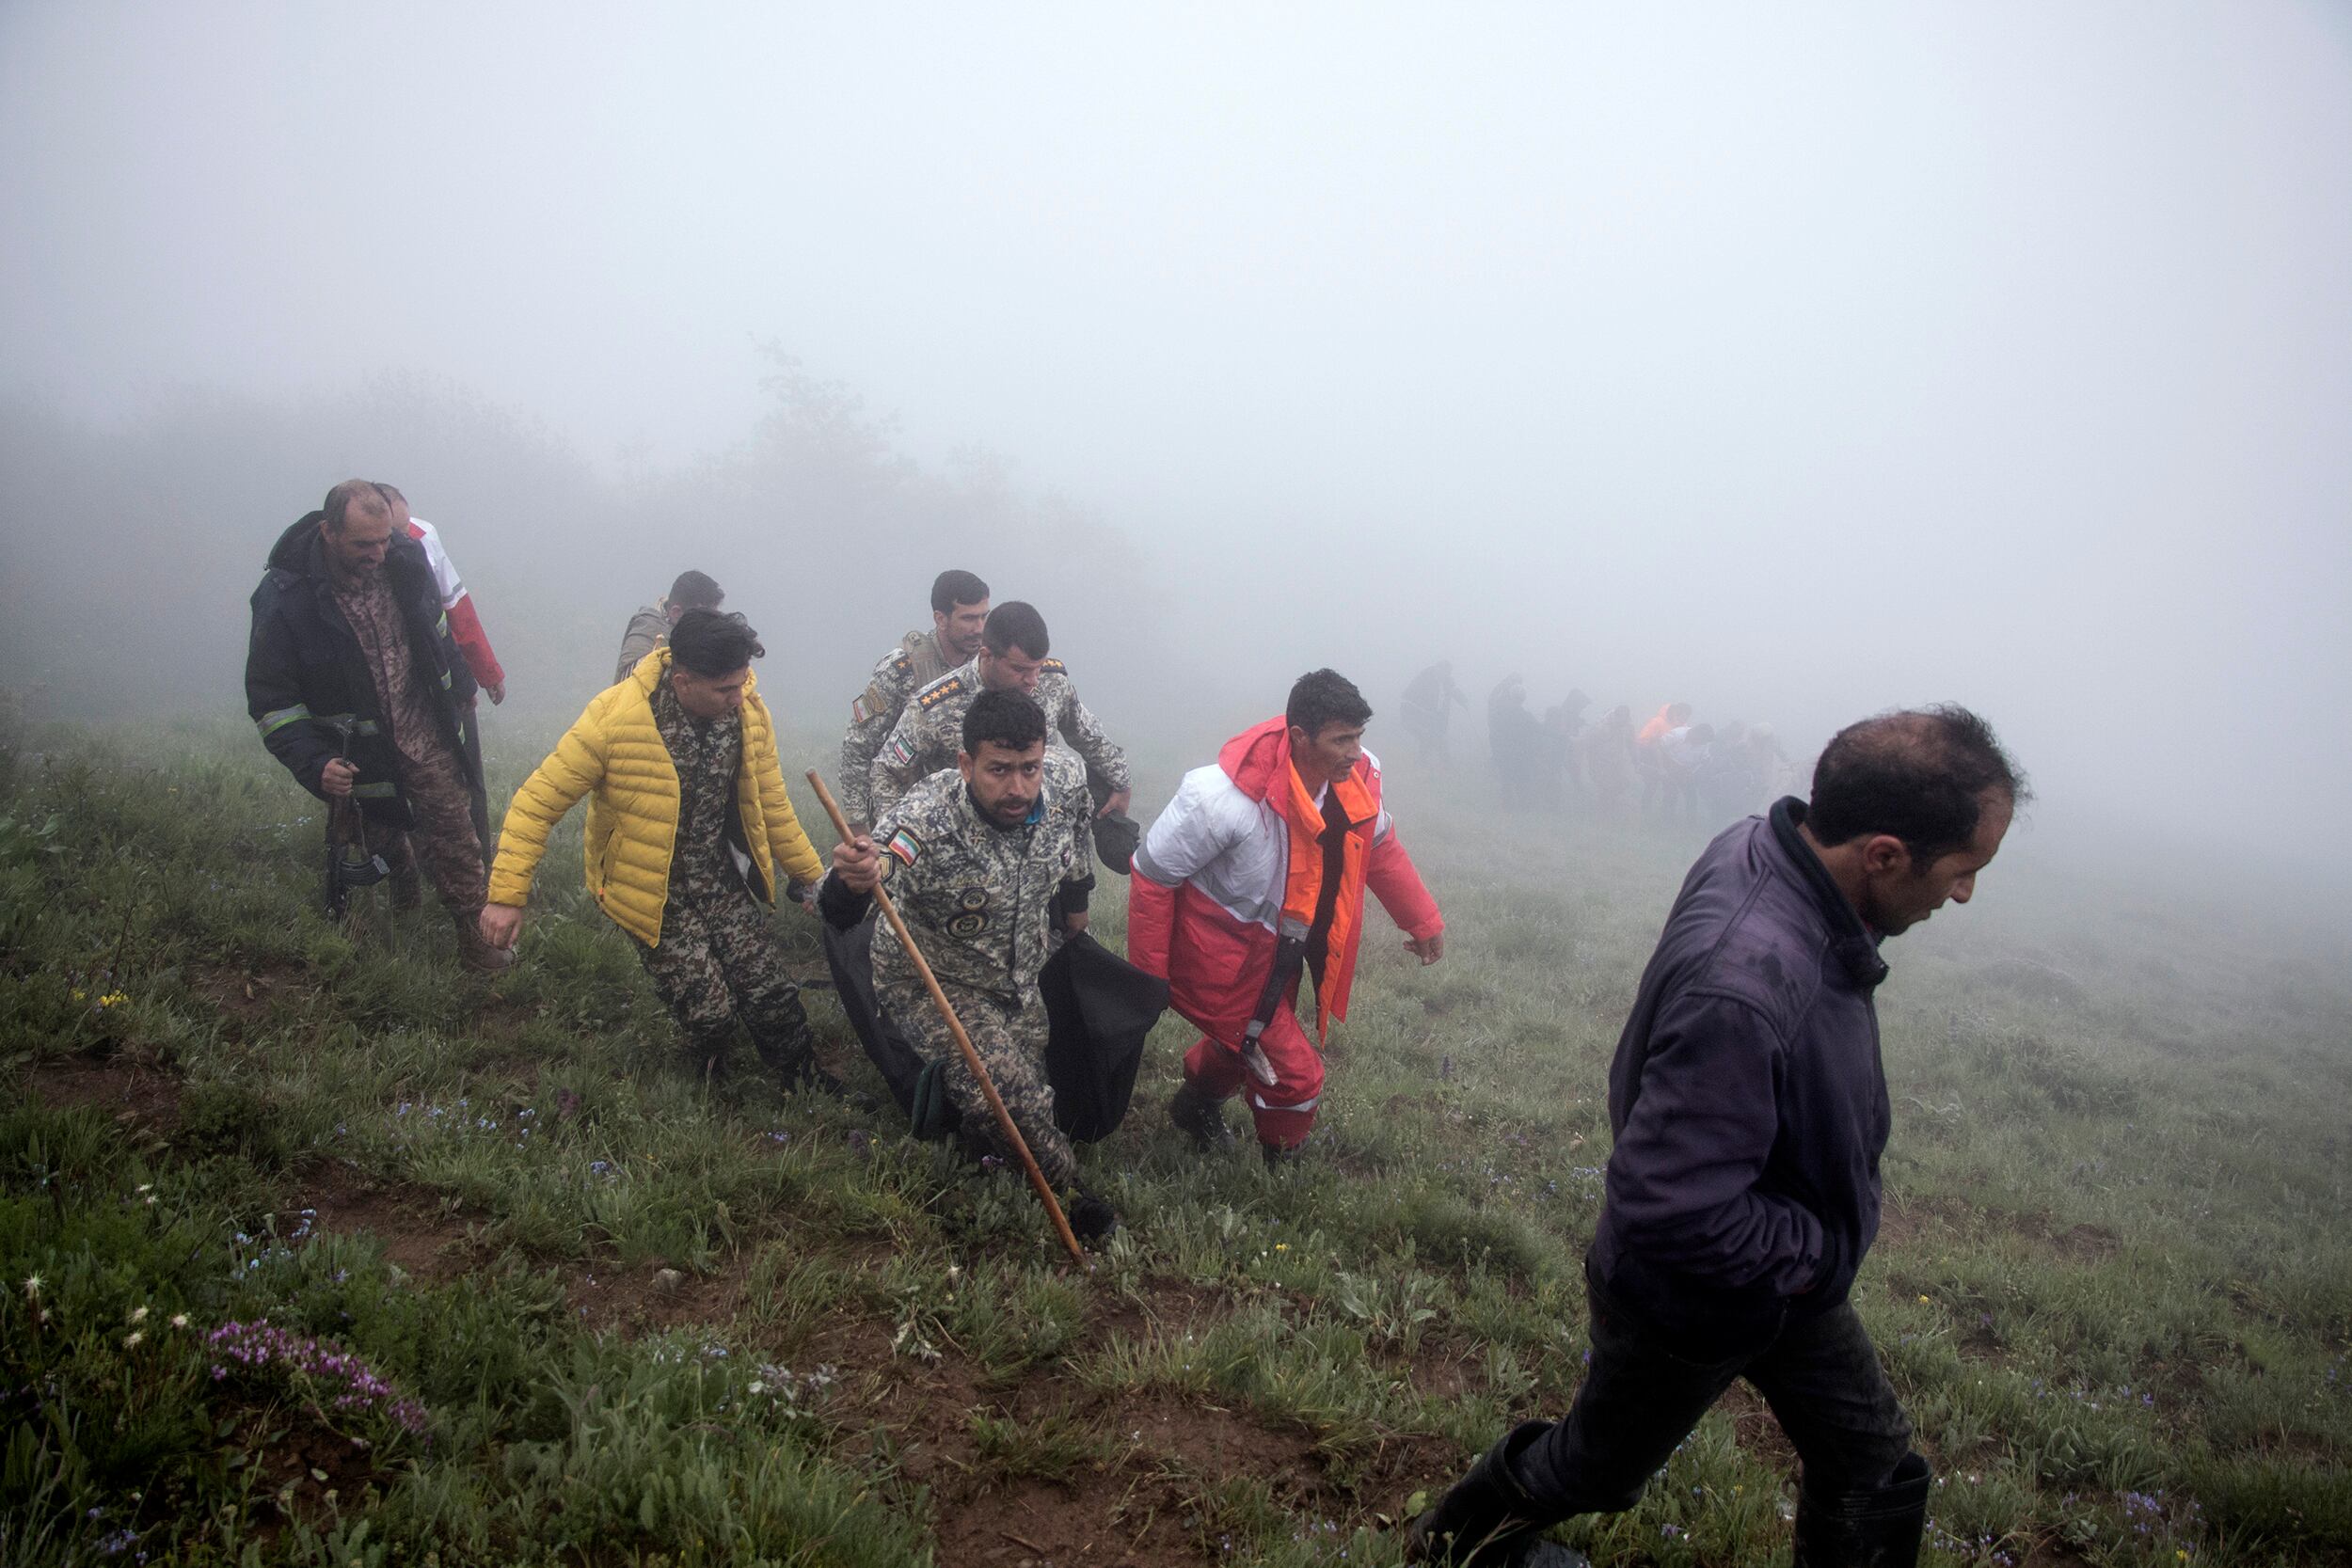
(905, 846)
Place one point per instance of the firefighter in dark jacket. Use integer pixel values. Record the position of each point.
(1750, 1110)
(359, 686)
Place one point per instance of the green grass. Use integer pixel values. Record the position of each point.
(612, 1314)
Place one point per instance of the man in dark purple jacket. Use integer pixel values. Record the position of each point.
(1750, 1110)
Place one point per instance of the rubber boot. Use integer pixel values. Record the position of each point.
(1201, 1118)
(1879, 1529)
(1487, 1520)
(472, 951)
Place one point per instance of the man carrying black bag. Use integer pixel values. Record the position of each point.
(990, 866)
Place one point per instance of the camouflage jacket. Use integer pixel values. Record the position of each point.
(914, 663)
(929, 733)
(648, 629)
(975, 895)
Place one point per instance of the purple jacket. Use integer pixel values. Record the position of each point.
(1747, 1097)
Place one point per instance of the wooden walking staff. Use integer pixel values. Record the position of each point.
(963, 1041)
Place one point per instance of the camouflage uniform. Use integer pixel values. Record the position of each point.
(718, 957)
(914, 663)
(648, 629)
(976, 897)
(434, 777)
(929, 733)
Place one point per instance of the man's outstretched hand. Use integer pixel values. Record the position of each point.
(501, 924)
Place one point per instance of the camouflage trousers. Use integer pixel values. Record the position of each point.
(719, 961)
(443, 838)
(1011, 1045)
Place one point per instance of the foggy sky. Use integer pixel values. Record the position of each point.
(1802, 360)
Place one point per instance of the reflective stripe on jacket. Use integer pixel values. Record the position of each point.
(1215, 871)
(305, 671)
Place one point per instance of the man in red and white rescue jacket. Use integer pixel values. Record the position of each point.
(1254, 874)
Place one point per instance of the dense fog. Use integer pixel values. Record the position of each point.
(1795, 361)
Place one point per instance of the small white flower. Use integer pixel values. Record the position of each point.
(139, 1315)
(32, 1284)
(131, 1340)
(179, 1319)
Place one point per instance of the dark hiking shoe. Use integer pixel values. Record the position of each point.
(1092, 1220)
(788, 1049)
(1879, 1529)
(1200, 1119)
(1487, 1520)
(1277, 1156)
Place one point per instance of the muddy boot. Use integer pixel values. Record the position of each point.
(408, 882)
(1277, 1155)
(472, 951)
(1092, 1220)
(788, 1048)
(1865, 1529)
(1200, 1119)
(1487, 1520)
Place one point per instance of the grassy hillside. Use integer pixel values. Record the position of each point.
(318, 1250)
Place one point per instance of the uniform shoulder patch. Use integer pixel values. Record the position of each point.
(1055, 665)
(939, 692)
(904, 845)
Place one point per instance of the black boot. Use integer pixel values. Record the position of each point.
(788, 1048)
(1200, 1119)
(1278, 1155)
(1092, 1220)
(1865, 1529)
(1488, 1521)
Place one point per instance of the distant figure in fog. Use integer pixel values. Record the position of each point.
(1254, 876)
(1428, 708)
(1563, 723)
(1515, 743)
(1606, 751)
(1648, 765)
(650, 628)
(1683, 753)
(1750, 1111)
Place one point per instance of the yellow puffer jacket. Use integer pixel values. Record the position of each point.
(614, 755)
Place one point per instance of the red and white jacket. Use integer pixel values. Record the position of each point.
(1215, 874)
(464, 625)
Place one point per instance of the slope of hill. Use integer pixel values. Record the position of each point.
(316, 1249)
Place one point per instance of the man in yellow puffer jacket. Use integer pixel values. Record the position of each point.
(688, 827)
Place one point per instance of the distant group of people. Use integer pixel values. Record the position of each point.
(1747, 1099)
(1668, 768)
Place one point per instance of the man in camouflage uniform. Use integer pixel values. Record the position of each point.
(958, 612)
(650, 628)
(1012, 658)
(712, 953)
(358, 688)
(973, 857)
